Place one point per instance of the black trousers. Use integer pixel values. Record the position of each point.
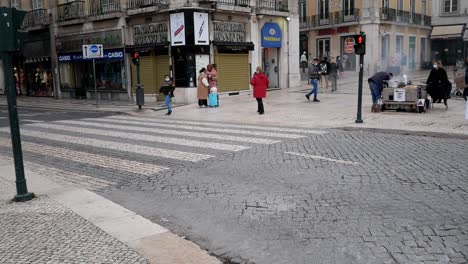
(203, 102)
(260, 105)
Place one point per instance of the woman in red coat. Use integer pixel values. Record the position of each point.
(260, 84)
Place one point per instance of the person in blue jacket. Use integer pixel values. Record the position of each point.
(376, 87)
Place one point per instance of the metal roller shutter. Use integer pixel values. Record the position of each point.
(233, 72)
(148, 78)
(162, 68)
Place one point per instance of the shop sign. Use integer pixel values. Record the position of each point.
(349, 45)
(150, 34)
(399, 95)
(329, 31)
(108, 55)
(229, 32)
(200, 22)
(177, 29)
(271, 35)
(109, 39)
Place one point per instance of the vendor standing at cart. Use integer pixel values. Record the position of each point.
(376, 87)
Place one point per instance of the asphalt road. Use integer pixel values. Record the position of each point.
(265, 194)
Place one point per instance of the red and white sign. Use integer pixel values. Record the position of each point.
(349, 45)
(177, 29)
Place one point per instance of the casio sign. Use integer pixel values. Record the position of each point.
(65, 58)
(116, 54)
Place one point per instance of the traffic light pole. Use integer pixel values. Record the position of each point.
(95, 83)
(21, 186)
(140, 96)
(361, 76)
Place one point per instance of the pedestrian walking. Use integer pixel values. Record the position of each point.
(167, 89)
(203, 89)
(339, 63)
(304, 61)
(324, 66)
(212, 75)
(438, 84)
(260, 84)
(376, 86)
(314, 76)
(333, 75)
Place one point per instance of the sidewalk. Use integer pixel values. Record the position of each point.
(289, 107)
(69, 225)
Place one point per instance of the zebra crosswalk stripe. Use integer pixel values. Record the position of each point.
(226, 130)
(223, 125)
(138, 149)
(71, 127)
(88, 158)
(146, 127)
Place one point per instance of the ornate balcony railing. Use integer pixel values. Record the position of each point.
(242, 3)
(134, 4)
(277, 5)
(346, 17)
(36, 17)
(393, 15)
(99, 7)
(72, 10)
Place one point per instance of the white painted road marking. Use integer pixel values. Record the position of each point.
(225, 130)
(308, 156)
(88, 158)
(137, 149)
(102, 131)
(129, 126)
(223, 125)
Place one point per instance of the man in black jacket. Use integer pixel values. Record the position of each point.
(465, 91)
(314, 77)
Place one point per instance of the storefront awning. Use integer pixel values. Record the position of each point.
(140, 48)
(446, 32)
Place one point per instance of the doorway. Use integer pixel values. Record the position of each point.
(323, 48)
(270, 66)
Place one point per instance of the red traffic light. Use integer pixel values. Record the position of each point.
(360, 40)
(136, 55)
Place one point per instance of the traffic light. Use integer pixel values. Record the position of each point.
(360, 44)
(136, 58)
(10, 23)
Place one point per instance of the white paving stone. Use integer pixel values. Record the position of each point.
(88, 158)
(143, 150)
(220, 130)
(130, 125)
(104, 130)
(224, 125)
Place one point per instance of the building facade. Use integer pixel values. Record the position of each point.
(449, 36)
(397, 32)
(175, 37)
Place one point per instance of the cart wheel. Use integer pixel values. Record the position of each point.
(421, 109)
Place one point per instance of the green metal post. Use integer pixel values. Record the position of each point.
(21, 186)
(138, 74)
(361, 76)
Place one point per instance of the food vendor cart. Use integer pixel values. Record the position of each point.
(410, 98)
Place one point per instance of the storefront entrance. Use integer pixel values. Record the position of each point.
(271, 67)
(271, 44)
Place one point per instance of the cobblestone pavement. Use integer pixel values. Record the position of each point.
(43, 231)
(294, 196)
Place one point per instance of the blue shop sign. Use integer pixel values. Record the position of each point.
(108, 55)
(271, 36)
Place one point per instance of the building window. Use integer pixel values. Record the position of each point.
(450, 6)
(348, 7)
(385, 4)
(400, 5)
(302, 11)
(324, 9)
(37, 4)
(323, 48)
(423, 7)
(15, 4)
(399, 44)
